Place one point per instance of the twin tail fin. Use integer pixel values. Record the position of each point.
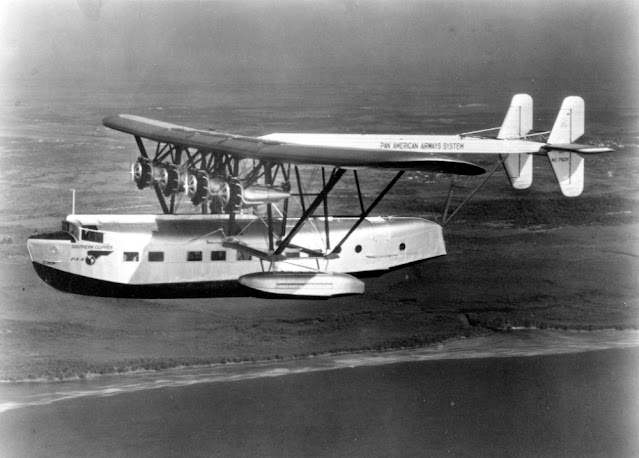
(517, 123)
(565, 156)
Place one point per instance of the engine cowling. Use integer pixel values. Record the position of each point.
(220, 194)
(197, 186)
(142, 172)
(168, 178)
(261, 195)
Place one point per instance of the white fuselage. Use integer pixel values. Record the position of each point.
(187, 249)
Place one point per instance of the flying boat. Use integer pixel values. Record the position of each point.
(245, 232)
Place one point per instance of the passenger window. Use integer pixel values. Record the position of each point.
(218, 255)
(131, 256)
(156, 256)
(194, 256)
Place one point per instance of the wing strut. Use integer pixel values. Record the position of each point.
(269, 207)
(335, 177)
(446, 219)
(367, 211)
(299, 189)
(158, 191)
(287, 188)
(328, 239)
(359, 191)
(177, 160)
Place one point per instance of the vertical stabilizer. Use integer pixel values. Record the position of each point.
(569, 125)
(517, 123)
(519, 118)
(569, 170)
(568, 166)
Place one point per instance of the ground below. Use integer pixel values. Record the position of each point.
(493, 278)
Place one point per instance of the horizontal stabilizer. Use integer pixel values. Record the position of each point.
(569, 170)
(581, 149)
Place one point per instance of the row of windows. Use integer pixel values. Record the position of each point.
(158, 256)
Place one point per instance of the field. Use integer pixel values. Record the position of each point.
(531, 258)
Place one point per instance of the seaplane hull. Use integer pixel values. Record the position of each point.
(189, 255)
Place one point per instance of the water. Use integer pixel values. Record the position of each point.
(477, 397)
(516, 343)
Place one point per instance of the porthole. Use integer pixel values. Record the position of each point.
(402, 246)
(358, 249)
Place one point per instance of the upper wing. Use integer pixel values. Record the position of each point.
(278, 151)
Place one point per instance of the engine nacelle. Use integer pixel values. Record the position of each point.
(197, 186)
(261, 195)
(168, 178)
(142, 171)
(200, 187)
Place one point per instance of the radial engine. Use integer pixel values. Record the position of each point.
(201, 187)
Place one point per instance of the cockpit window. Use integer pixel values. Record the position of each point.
(91, 234)
(71, 229)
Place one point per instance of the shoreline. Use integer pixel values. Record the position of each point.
(167, 370)
(514, 346)
(540, 405)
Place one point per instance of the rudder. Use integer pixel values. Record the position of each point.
(569, 124)
(517, 123)
(568, 166)
(569, 170)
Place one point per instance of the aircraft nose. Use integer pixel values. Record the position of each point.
(44, 251)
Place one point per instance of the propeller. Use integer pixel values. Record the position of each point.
(219, 193)
(142, 172)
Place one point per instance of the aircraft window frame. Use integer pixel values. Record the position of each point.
(71, 229)
(194, 256)
(218, 255)
(156, 256)
(131, 256)
(91, 234)
(402, 246)
(358, 249)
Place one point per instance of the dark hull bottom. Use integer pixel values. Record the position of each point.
(77, 284)
(71, 283)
